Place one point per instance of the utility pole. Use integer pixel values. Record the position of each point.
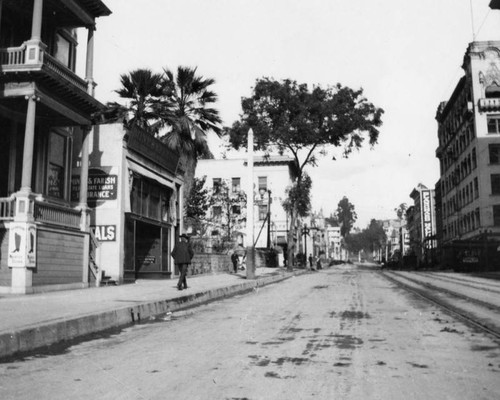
(269, 219)
(250, 222)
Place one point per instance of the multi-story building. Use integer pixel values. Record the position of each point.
(421, 225)
(44, 234)
(272, 176)
(469, 155)
(334, 250)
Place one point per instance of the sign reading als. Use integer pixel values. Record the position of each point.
(104, 233)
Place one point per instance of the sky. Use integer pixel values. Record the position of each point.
(405, 54)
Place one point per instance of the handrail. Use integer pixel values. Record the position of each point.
(93, 257)
(58, 215)
(61, 70)
(7, 208)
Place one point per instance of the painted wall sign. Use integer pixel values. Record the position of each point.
(22, 245)
(104, 233)
(100, 187)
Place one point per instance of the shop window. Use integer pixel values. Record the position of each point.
(57, 166)
(494, 150)
(236, 185)
(150, 199)
(495, 183)
(493, 124)
(496, 215)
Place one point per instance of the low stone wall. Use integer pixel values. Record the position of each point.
(208, 263)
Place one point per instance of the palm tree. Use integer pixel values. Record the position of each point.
(190, 116)
(145, 109)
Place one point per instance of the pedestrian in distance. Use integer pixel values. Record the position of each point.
(182, 254)
(235, 259)
(310, 261)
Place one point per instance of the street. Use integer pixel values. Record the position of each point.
(343, 333)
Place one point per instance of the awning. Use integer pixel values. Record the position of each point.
(147, 173)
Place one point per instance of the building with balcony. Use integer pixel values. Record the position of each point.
(44, 231)
(272, 176)
(135, 201)
(469, 155)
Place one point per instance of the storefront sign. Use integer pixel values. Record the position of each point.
(101, 187)
(22, 245)
(104, 233)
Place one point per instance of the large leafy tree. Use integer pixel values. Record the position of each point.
(142, 91)
(190, 117)
(291, 118)
(346, 215)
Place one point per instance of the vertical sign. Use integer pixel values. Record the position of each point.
(426, 206)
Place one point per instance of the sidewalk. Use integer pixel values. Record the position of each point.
(29, 322)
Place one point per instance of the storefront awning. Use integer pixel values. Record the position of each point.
(147, 173)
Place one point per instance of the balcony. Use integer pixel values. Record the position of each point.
(31, 63)
(489, 105)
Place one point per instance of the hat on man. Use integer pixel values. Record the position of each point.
(184, 236)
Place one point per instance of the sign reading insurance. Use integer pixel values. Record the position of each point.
(100, 186)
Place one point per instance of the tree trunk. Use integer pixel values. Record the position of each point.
(290, 241)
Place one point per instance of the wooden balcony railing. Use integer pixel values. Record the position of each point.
(13, 56)
(57, 215)
(14, 59)
(7, 207)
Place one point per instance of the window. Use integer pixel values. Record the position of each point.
(262, 212)
(495, 183)
(236, 185)
(262, 182)
(496, 215)
(493, 124)
(236, 210)
(65, 49)
(150, 200)
(476, 188)
(216, 184)
(474, 159)
(494, 150)
(56, 173)
(216, 211)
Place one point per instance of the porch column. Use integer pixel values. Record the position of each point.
(34, 46)
(29, 140)
(84, 175)
(1, 7)
(22, 231)
(36, 23)
(89, 67)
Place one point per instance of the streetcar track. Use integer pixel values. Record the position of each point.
(454, 311)
(456, 280)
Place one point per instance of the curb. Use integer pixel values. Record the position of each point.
(45, 335)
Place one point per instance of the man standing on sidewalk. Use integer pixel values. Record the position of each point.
(182, 254)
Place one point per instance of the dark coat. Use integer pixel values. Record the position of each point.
(182, 253)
